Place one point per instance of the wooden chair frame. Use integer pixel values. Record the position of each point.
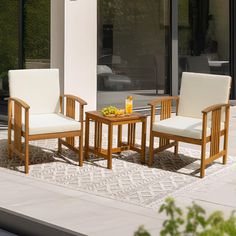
(15, 124)
(214, 138)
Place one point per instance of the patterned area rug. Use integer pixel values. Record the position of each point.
(128, 181)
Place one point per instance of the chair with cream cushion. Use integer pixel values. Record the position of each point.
(202, 116)
(35, 112)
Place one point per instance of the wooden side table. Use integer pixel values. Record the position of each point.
(131, 121)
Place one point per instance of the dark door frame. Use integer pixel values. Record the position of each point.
(21, 57)
(174, 46)
(232, 15)
(174, 54)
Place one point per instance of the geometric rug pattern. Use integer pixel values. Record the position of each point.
(128, 181)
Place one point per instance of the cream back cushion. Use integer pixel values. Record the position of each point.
(199, 91)
(39, 88)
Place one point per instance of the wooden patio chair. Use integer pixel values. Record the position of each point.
(36, 111)
(202, 116)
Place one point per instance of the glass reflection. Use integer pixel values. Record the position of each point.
(204, 36)
(132, 50)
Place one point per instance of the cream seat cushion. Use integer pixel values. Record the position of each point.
(50, 123)
(182, 126)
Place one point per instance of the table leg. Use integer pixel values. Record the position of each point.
(109, 148)
(119, 140)
(133, 135)
(129, 134)
(99, 136)
(86, 138)
(143, 144)
(95, 135)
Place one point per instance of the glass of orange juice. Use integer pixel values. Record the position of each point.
(129, 105)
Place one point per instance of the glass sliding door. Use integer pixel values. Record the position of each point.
(133, 40)
(8, 47)
(204, 36)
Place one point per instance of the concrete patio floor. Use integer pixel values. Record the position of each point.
(94, 215)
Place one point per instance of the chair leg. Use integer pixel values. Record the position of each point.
(59, 146)
(9, 128)
(225, 156)
(109, 148)
(203, 158)
(176, 148)
(26, 156)
(9, 143)
(81, 150)
(151, 153)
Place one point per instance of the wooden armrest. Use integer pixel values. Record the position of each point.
(70, 107)
(78, 99)
(160, 99)
(215, 107)
(165, 107)
(216, 113)
(20, 102)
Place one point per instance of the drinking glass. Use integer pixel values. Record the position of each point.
(128, 106)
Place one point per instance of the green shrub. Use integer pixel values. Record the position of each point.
(194, 223)
(142, 232)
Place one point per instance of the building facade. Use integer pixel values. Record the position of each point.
(109, 49)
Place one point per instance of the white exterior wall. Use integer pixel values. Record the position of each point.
(74, 47)
(80, 61)
(57, 42)
(57, 38)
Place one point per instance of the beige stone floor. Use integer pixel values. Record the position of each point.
(93, 215)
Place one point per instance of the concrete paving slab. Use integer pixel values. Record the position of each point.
(93, 215)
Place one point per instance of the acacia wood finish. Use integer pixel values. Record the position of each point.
(143, 142)
(16, 146)
(109, 148)
(26, 141)
(87, 131)
(203, 144)
(165, 114)
(226, 135)
(75, 98)
(19, 102)
(53, 135)
(82, 103)
(217, 131)
(70, 112)
(164, 141)
(119, 139)
(100, 120)
(17, 127)
(96, 135)
(160, 149)
(19, 154)
(9, 127)
(99, 136)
